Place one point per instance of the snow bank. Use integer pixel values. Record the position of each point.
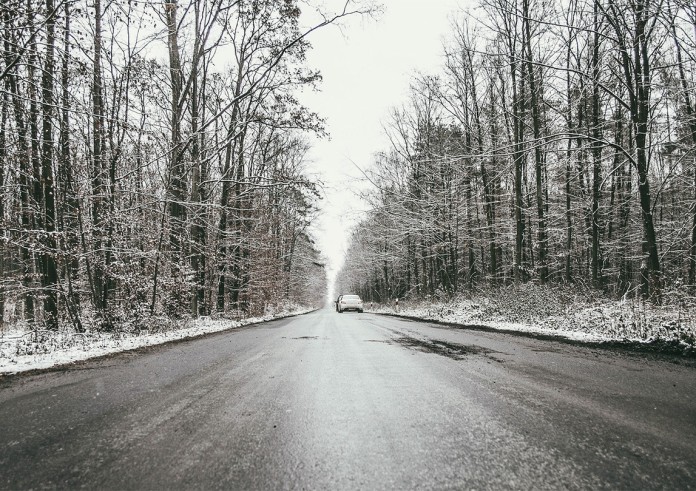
(22, 350)
(560, 312)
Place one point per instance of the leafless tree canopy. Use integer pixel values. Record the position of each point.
(556, 145)
(152, 159)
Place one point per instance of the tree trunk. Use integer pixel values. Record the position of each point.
(518, 162)
(50, 270)
(177, 187)
(4, 239)
(568, 177)
(24, 153)
(69, 210)
(596, 155)
(35, 210)
(99, 282)
(691, 118)
(238, 247)
(539, 158)
(489, 204)
(635, 60)
(225, 194)
(197, 228)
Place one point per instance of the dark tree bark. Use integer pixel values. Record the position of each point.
(50, 269)
(539, 158)
(635, 60)
(691, 124)
(24, 157)
(99, 282)
(517, 104)
(197, 198)
(227, 174)
(176, 172)
(597, 280)
(568, 175)
(4, 238)
(489, 204)
(69, 211)
(35, 209)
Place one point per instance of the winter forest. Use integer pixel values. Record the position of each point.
(556, 146)
(152, 160)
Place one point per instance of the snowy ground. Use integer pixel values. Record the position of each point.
(566, 314)
(531, 309)
(22, 350)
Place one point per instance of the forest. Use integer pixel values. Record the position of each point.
(152, 160)
(556, 147)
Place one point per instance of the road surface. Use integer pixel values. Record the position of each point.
(353, 401)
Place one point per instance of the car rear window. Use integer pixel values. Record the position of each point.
(351, 297)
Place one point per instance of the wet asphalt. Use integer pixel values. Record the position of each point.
(354, 401)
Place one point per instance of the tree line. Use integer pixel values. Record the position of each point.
(152, 159)
(557, 144)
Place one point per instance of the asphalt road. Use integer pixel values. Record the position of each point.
(353, 401)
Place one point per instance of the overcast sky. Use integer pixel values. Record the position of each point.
(367, 68)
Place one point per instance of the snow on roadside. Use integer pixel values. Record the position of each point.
(455, 316)
(22, 351)
(566, 314)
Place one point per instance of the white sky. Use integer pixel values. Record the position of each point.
(367, 67)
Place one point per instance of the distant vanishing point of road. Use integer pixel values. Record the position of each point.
(354, 401)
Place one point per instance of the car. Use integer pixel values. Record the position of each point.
(349, 302)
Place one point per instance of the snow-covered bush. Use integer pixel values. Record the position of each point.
(569, 310)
